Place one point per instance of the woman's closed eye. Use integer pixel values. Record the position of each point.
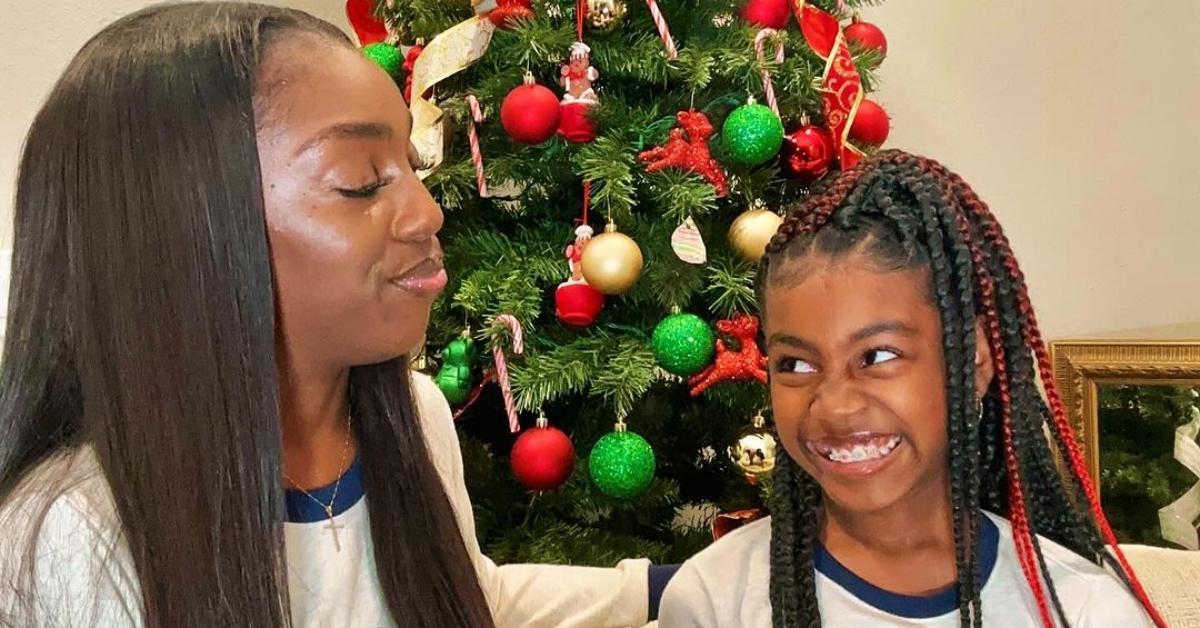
(366, 191)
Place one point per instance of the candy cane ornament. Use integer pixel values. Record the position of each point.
(664, 32)
(510, 404)
(760, 41)
(473, 138)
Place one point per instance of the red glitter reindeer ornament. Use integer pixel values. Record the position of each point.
(747, 363)
(687, 149)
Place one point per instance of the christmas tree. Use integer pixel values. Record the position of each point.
(610, 172)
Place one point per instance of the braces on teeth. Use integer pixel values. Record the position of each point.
(859, 453)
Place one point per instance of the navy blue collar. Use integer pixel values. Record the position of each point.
(909, 606)
(303, 509)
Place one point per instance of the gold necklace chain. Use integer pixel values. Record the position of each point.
(328, 508)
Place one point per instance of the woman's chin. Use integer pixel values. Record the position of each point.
(390, 348)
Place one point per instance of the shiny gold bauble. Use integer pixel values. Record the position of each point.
(754, 451)
(605, 15)
(752, 231)
(611, 262)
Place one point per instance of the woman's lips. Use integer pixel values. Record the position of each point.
(427, 280)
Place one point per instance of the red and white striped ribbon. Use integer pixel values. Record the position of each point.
(760, 41)
(473, 138)
(665, 33)
(510, 404)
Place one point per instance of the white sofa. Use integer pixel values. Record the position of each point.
(1172, 578)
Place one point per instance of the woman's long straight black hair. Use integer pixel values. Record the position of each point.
(142, 324)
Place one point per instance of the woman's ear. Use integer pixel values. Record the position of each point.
(985, 370)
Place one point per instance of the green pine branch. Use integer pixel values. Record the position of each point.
(731, 286)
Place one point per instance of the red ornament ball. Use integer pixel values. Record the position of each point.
(575, 124)
(529, 113)
(507, 11)
(871, 124)
(807, 153)
(543, 457)
(767, 13)
(867, 36)
(367, 26)
(577, 304)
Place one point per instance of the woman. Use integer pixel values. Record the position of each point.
(222, 257)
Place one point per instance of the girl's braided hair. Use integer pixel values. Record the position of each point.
(903, 211)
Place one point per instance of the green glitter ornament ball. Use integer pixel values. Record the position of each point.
(621, 464)
(753, 134)
(386, 56)
(683, 344)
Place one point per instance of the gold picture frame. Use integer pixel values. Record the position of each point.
(1167, 356)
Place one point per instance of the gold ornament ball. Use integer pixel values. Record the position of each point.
(752, 231)
(612, 262)
(604, 15)
(754, 453)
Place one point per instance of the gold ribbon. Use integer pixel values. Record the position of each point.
(1177, 520)
(452, 51)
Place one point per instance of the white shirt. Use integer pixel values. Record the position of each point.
(85, 577)
(728, 585)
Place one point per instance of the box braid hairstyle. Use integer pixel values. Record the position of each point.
(905, 212)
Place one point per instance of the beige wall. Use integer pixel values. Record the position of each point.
(1077, 120)
(37, 40)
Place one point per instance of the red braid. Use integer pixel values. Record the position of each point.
(1017, 515)
(1033, 338)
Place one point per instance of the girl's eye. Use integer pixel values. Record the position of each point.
(795, 365)
(367, 191)
(878, 356)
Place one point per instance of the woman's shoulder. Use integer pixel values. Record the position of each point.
(433, 411)
(438, 430)
(62, 551)
(68, 487)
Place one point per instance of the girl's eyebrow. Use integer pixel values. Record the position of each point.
(874, 329)
(885, 327)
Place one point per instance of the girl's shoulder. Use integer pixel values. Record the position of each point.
(1062, 562)
(1091, 595)
(745, 544)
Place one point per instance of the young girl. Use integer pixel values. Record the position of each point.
(920, 486)
(222, 256)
